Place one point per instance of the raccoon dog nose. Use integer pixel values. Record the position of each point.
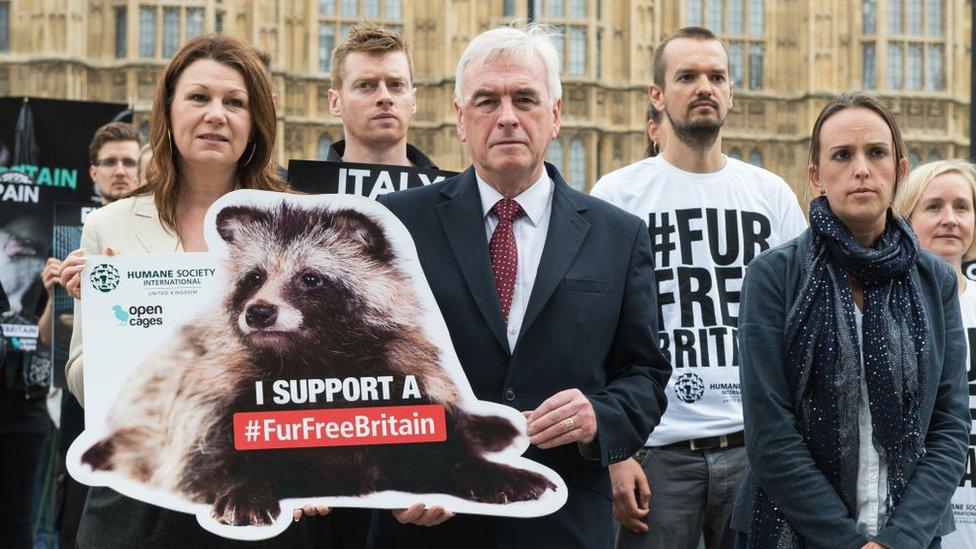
(261, 316)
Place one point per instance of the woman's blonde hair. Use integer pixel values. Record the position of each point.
(255, 169)
(918, 180)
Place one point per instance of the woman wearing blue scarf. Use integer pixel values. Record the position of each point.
(853, 360)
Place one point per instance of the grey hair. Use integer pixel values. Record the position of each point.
(518, 44)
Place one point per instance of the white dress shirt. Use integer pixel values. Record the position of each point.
(530, 231)
(872, 471)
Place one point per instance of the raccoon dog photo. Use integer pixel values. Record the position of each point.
(316, 287)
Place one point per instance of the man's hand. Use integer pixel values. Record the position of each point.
(421, 515)
(631, 494)
(49, 276)
(311, 510)
(565, 417)
(71, 267)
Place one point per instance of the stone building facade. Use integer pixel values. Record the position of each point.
(788, 58)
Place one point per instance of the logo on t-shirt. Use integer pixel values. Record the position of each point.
(689, 387)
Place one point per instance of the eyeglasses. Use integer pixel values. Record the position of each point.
(110, 162)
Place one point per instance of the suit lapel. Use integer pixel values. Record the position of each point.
(567, 230)
(461, 217)
(150, 232)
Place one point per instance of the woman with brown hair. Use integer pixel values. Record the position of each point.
(853, 360)
(212, 131)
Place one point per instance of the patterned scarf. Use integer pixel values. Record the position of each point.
(822, 361)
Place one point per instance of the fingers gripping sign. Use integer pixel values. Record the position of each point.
(421, 515)
(69, 275)
(310, 510)
(565, 417)
(70, 271)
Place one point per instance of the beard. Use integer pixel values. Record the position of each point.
(111, 194)
(698, 134)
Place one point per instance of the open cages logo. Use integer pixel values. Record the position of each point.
(689, 387)
(144, 316)
(105, 278)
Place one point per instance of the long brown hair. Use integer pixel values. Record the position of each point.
(858, 100)
(255, 169)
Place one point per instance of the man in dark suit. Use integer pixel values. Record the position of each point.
(548, 295)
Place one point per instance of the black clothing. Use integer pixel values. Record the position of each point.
(417, 158)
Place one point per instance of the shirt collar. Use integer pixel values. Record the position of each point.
(533, 200)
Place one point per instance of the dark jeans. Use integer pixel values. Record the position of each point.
(692, 494)
(20, 456)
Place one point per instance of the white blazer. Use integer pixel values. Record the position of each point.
(131, 225)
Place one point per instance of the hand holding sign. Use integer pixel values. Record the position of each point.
(71, 268)
(420, 515)
(311, 510)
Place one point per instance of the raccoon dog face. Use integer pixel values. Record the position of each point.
(304, 275)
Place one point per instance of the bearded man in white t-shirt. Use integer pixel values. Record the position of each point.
(708, 216)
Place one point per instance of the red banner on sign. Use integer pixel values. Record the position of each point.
(339, 427)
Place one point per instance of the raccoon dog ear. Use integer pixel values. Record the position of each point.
(232, 219)
(364, 230)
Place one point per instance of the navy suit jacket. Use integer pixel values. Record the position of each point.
(591, 323)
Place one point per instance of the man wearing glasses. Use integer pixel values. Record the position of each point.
(114, 153)
(115, 160)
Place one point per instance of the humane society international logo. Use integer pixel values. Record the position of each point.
(689, 387)
(105, 278)
(139, 315)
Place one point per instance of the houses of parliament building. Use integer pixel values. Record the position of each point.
(788, 57)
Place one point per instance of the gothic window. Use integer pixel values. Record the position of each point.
(147, 32)
(571, 20)
(171, 31)
(577, 164)
(326, 45)
(323, 149)
(915, 44)
(555, 154)
(121, 38)
(868, 77)
(741, 23)
(337, 17)
(756, 158)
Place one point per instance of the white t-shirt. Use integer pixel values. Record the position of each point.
(964, 500)
(704, 229)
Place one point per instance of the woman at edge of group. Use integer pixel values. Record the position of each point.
(938, 201)
(851, 445)
(212, 131)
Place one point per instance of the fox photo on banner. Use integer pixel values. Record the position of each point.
(369, 180)
(303, 359)
(43, 160)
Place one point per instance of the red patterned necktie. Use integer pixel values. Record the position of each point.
(504, 253)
